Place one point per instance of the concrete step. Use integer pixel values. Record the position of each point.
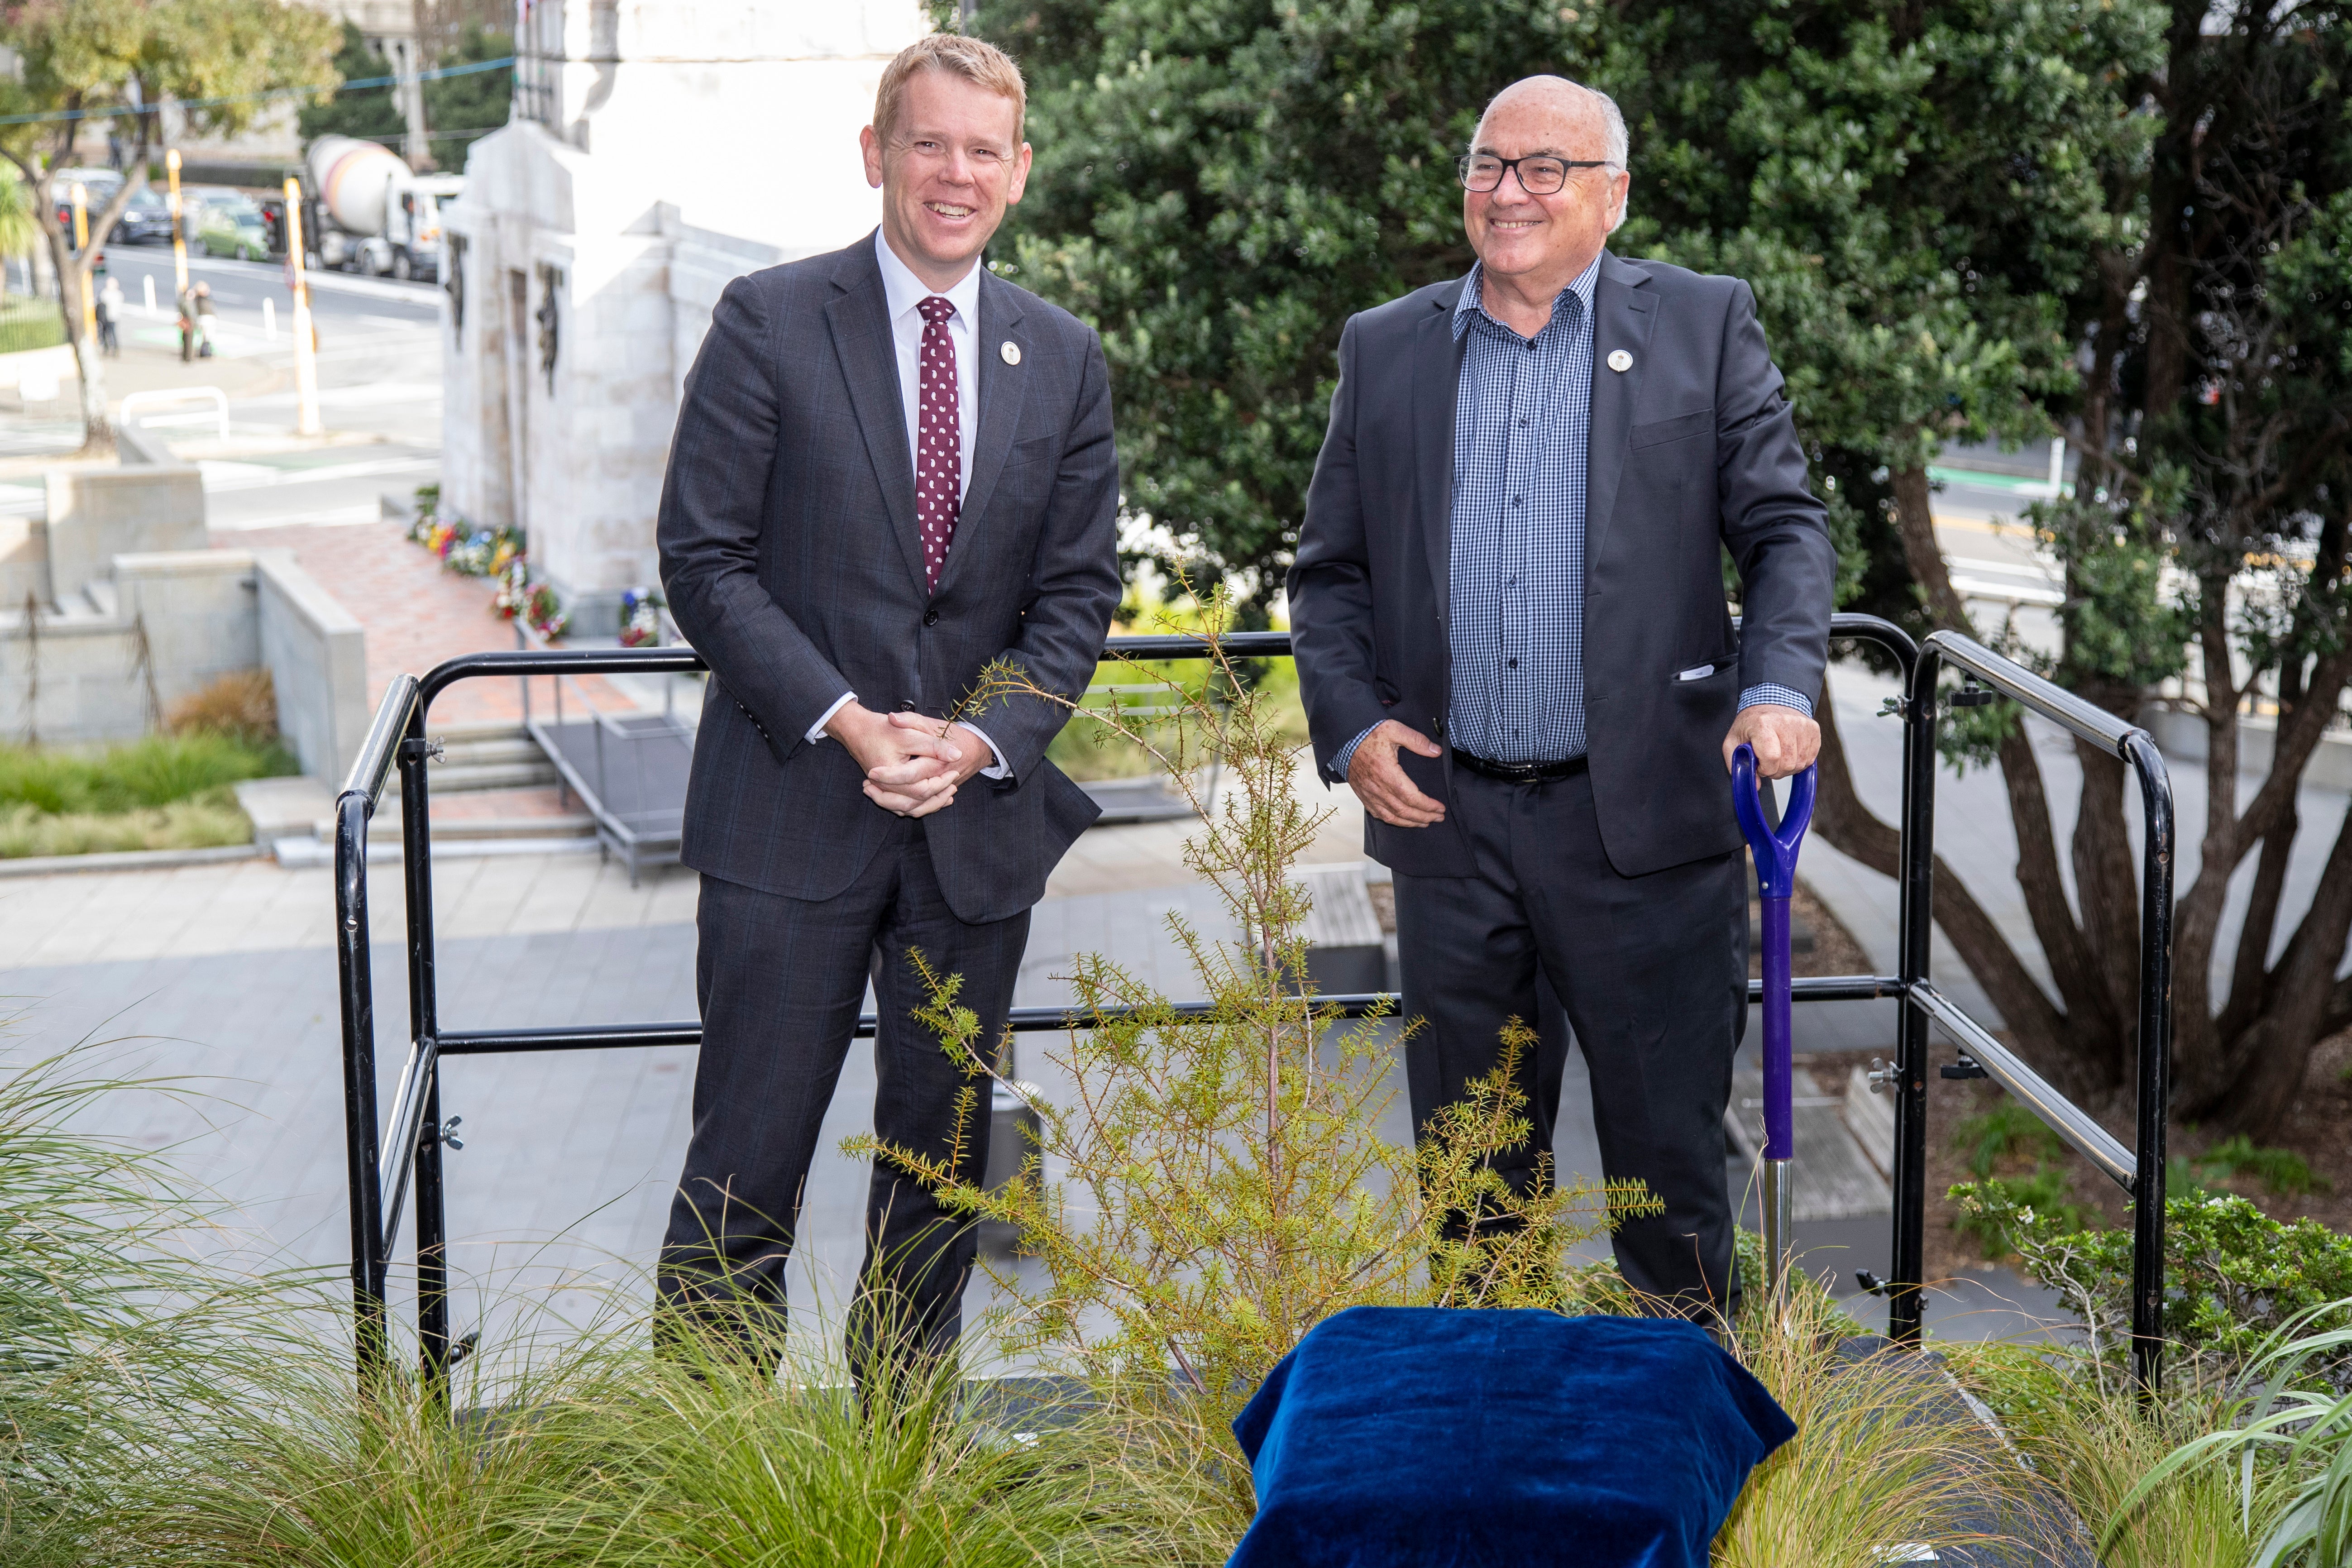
(489, 751)
(454, 829)
(482, 756)
(459, 778)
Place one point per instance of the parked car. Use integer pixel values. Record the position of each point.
(229, 222)
(147, 220)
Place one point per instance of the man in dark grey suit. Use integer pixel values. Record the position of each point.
(1514, 646)
(891, 470)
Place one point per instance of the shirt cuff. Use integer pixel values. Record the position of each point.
(816, 730)
(1777, 696)
(1338, 769)
(1003, 770)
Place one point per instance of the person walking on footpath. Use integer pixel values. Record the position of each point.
(1513, 646)
(892, 469)
(110, 320)
(207, 319)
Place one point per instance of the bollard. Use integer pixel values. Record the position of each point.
(1776, 880)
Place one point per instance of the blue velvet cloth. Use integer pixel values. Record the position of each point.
(1443, 1438)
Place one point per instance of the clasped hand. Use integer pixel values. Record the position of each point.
(1785, 741)
(912, 763)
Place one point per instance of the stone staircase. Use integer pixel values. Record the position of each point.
(478, 757)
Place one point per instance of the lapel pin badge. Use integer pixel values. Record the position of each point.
(1010, 352)
(1619, 360)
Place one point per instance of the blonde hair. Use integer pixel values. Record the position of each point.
(978, 62)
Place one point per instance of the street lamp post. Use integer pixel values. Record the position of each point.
(179, 239)
(81, 245)
(306, 368)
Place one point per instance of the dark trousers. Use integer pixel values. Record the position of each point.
(1652, 973)
(780, 980)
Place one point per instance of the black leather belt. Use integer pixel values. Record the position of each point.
(1519, 772)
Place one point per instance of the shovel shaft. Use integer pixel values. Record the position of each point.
(1780, 1116)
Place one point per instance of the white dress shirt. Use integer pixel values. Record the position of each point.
(903, 294)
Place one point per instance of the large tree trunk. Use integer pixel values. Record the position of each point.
(2078, 1051)
(96, 431)
(1840, 818)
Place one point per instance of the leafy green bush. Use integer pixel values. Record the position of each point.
(2044, 1194)
(2233, 1276)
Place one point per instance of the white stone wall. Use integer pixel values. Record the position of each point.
(642, 228)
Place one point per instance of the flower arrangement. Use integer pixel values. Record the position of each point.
(494, 552)
(545, 613)
(641, 611)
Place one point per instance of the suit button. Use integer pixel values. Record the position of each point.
(930, 617)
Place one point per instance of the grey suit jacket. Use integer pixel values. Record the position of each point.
(790, 554)
(1693, 450)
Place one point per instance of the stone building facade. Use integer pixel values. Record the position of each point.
(597, 230)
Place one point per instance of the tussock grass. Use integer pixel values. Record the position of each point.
(242, 704)
(1883, 1453)
(118, 1346)
(154, 770)
(2085, 1436)
(608, 1454)
(210, 819)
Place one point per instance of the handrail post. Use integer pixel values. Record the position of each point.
(2155, 1064)
(424, 1021)
(1915, 928)
(373, 1346)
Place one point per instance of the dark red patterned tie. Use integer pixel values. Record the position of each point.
(938, 440)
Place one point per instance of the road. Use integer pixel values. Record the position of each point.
(379, 376)
(340, 301)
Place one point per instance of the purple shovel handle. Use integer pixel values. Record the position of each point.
(1776, 878)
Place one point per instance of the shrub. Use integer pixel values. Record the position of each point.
(1227, 1187)
(242, 705)
(2044, 1193)
(2006, 1132)
(2233, 1276)
(2282, 1171)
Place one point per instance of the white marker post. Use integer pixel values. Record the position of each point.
(269, 318)
(147, 286)
(306, 367)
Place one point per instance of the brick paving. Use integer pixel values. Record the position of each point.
(417, 613)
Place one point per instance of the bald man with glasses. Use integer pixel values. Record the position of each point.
(1514, 646)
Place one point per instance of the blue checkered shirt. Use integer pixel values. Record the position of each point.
(1522, 437)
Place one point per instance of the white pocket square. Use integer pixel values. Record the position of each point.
(1695, 672)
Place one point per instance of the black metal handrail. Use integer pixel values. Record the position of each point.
(381, 1168)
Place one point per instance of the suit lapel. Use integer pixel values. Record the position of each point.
(1002, 387)
(1624, 310)
(1436, 378)
(859, 320)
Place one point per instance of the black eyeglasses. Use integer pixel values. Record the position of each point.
(1539, 176)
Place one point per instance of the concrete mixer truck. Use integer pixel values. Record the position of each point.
(369, 213)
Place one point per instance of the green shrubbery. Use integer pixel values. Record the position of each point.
(2233, 1276)
(161, 791)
